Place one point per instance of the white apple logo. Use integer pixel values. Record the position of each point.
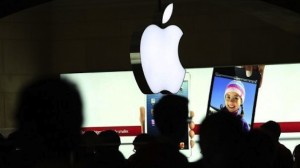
(159, 56)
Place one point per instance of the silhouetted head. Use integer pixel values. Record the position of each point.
(296, 153)
(273, 128)
(89, 141)
(109, 139)
(89, 137)
(261, 149)
(171, 115)
(221, 138)
(142, 140)
(52, 109)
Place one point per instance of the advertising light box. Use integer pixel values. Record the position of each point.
(113, 100)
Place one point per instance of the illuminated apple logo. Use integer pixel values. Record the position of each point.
(154, 56)
(159, 56)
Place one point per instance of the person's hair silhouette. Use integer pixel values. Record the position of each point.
(272, 128)
(142, 140)
(109, 139)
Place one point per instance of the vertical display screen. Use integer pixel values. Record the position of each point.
(151, 100)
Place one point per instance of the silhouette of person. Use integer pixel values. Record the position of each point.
(170, 115)
(140, 141)
(260, 149)
(296, 154)
(222, 141)
(108, 154)
(85, 154)
(49, 118)
(109, 139)
(283, 157)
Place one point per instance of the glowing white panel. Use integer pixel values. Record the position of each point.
(160, 60)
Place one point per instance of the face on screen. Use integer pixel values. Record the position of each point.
(233, 101)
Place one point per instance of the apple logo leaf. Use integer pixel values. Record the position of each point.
(167, 13)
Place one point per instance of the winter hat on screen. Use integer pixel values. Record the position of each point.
(237, 87)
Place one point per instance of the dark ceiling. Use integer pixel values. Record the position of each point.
(293, 5)
(8, 7)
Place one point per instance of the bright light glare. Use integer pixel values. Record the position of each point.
(159, 58)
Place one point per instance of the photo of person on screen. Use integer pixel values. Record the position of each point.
(234, 97)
